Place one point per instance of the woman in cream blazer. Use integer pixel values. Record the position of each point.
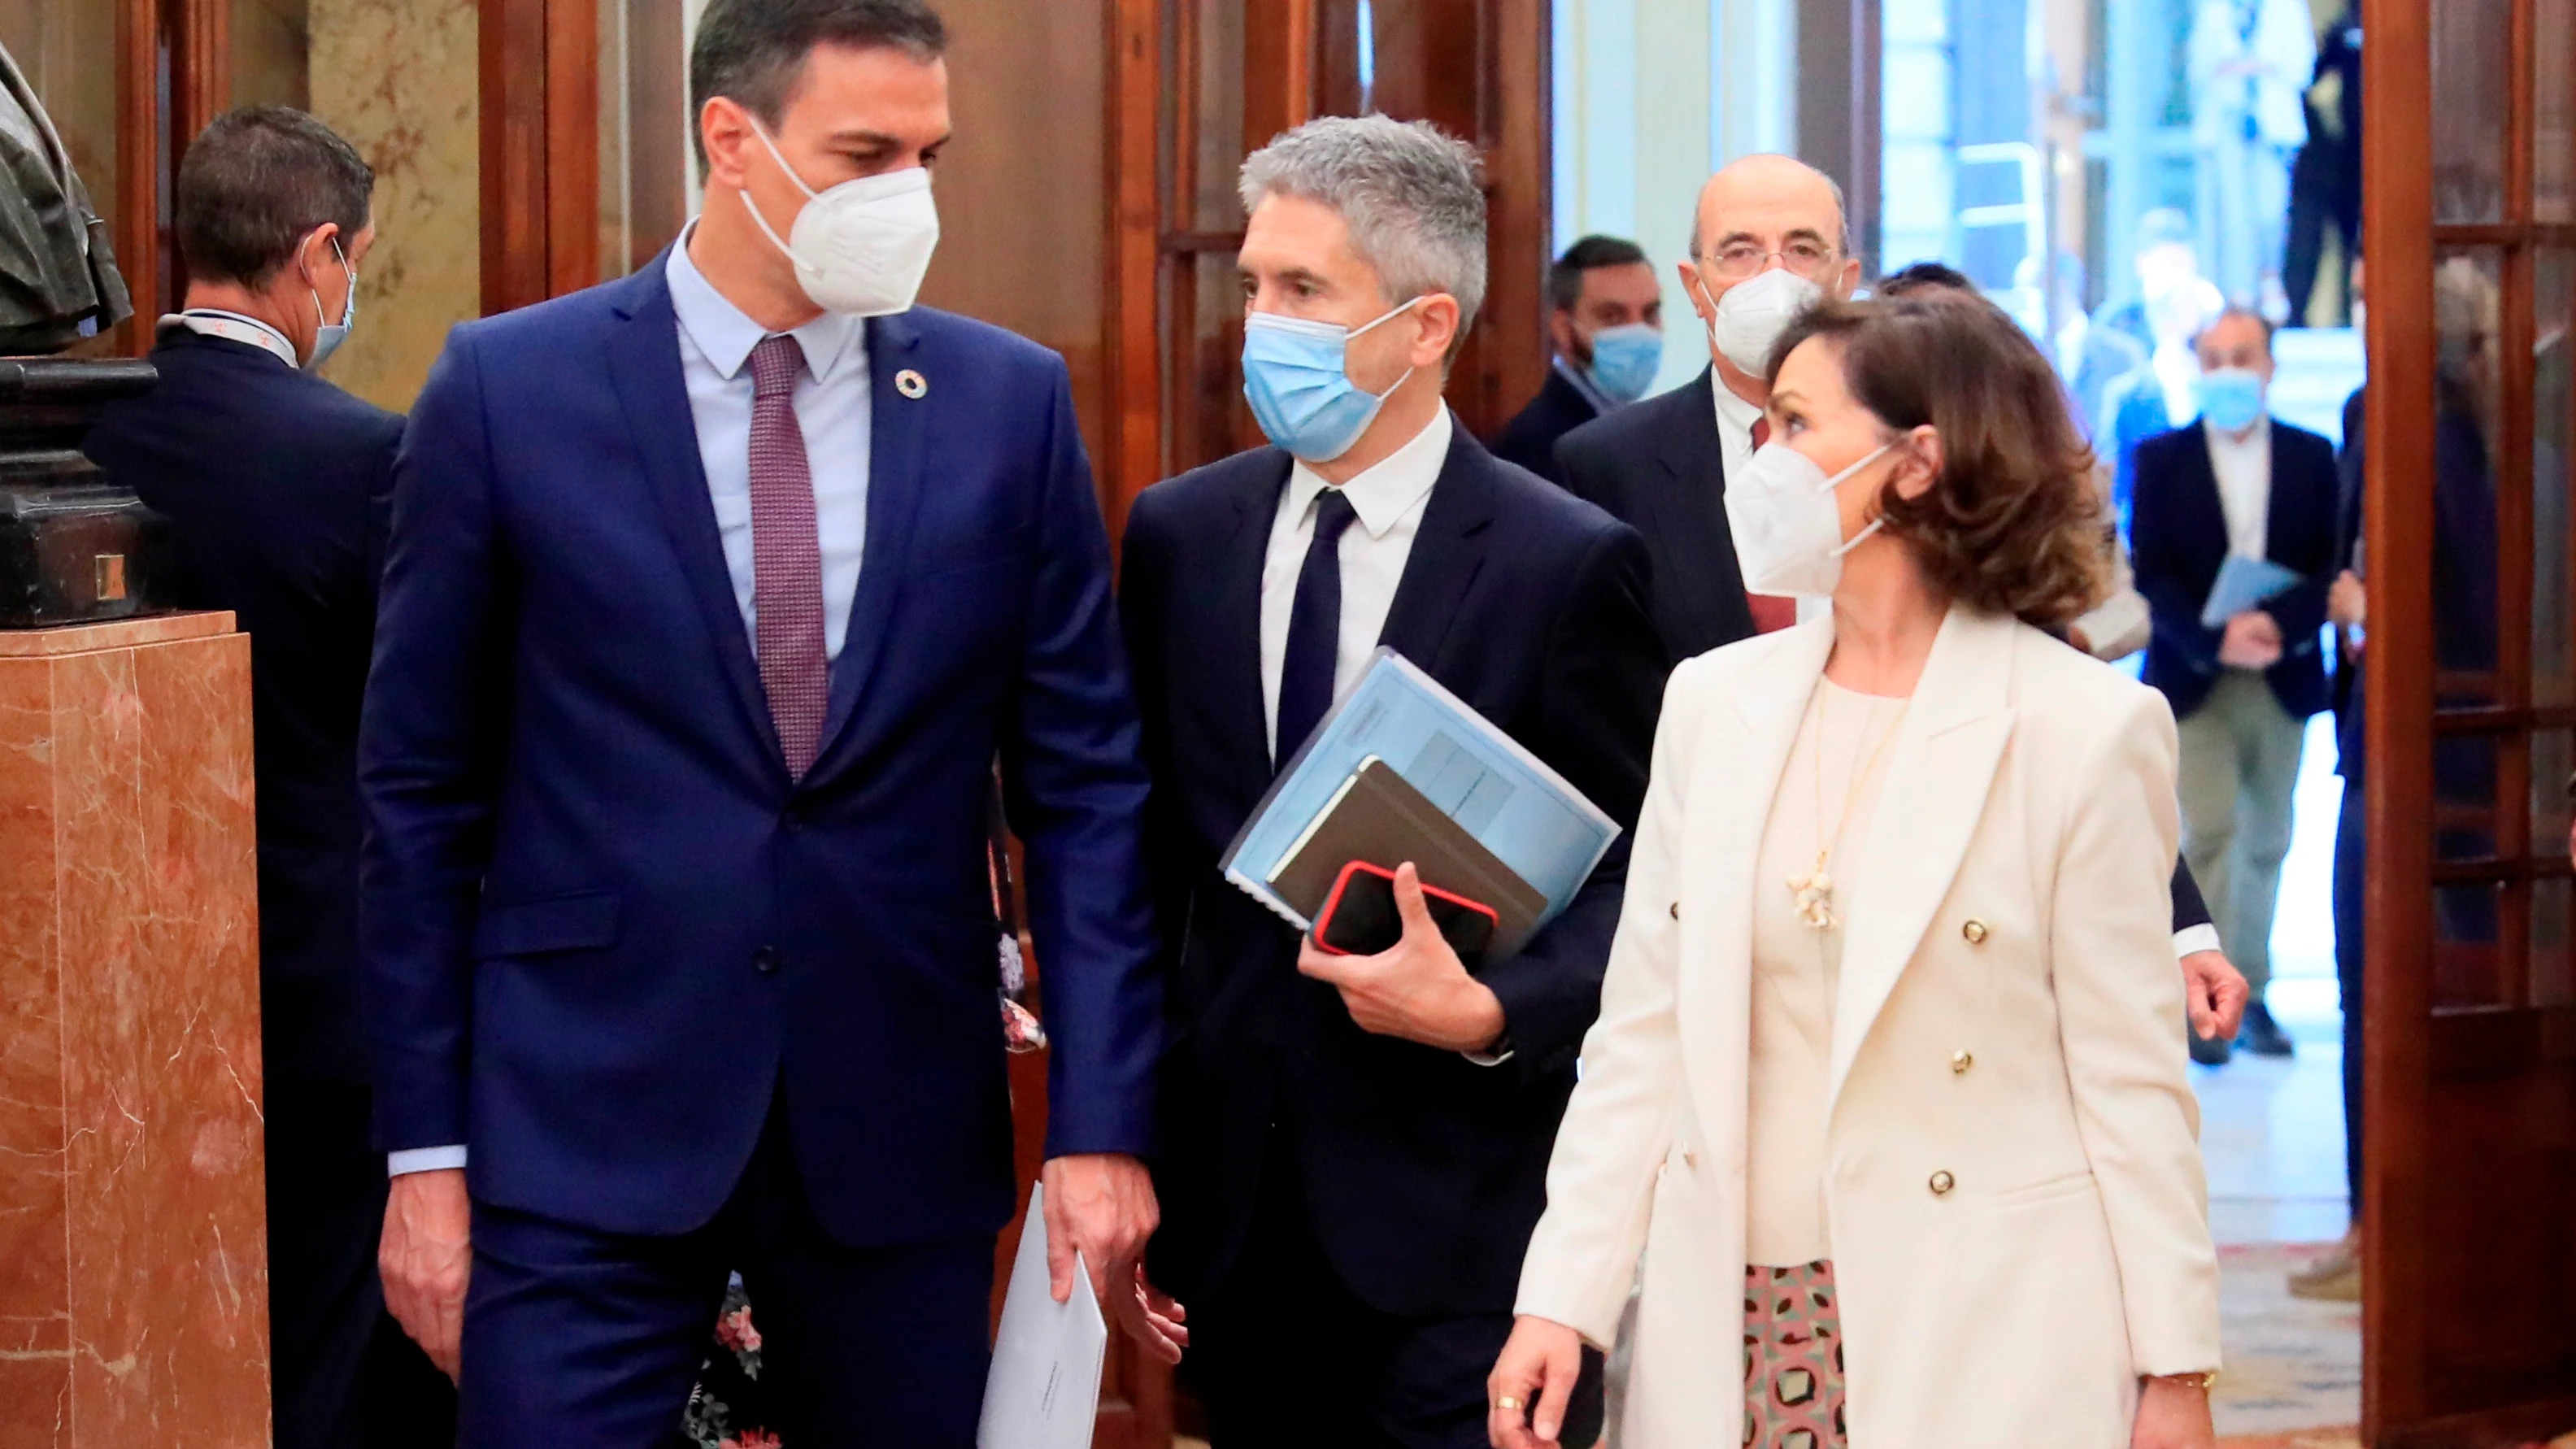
(2009, 1174)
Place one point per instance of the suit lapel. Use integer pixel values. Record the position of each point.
(644, 363)
(1448, 551)
(896, 425)
(1690, 514)
(1933, 796)
(1736, 772)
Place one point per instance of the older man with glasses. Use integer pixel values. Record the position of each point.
(1767, 239)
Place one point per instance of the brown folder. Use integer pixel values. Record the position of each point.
(1377, 817)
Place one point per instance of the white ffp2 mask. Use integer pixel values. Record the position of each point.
(862, 247)
(1753, 313)
(1788, 529)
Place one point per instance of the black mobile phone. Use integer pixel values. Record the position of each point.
(1360, 917)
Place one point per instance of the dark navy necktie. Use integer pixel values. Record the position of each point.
(1314, 629)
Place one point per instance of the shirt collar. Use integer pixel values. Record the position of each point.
(725, 335)
(1385, 493)
(2258, 436)
(1732, 409)
(233, 327)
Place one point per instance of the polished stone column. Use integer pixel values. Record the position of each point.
(133, 1261)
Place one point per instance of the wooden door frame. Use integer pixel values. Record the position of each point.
(540, 148)
(2411, 1047)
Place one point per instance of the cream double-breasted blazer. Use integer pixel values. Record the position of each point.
(2013, 1181)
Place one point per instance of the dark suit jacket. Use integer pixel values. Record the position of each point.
(1657, 466)
(1423, 1172)
(2178, 532)
(277, 484)
(604, 925)
(1529, 439)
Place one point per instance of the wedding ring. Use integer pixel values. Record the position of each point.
(1508, 1404)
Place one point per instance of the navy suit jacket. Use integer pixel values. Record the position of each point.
(605, 928)
(1529, 439)
(1659, 467)
(2178, 541)
(1423, 1173)
(277, 484)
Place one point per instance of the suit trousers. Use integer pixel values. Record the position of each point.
(1286, 1355)
(342, 1373)
(2240, 767)
(582, 1339)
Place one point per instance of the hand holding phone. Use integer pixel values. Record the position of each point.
(1360, 918)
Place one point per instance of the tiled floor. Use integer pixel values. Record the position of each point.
(2272, 1136)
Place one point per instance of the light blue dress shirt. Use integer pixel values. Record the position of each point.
(832, 408)
(832, 399)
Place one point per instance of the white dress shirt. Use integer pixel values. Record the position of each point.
(832, 409)
(2244, 468)
(1735, 420)
(1388, 501)
(832, 402)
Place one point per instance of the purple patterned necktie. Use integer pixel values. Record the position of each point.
(786, 559)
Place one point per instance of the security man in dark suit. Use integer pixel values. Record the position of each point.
(277, 483)
(1355, 1147)
(1605, 319)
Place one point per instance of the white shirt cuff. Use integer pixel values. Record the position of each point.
(1489, 1059)
(423, 1159)
(2192, 940)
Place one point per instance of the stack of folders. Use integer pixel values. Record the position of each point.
(1402, 771)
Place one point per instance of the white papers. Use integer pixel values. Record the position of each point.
(2242, 584)
(1044, 1388)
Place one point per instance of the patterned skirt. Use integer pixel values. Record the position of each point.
(1793, 1359)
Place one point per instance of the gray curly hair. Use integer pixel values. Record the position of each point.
(1408, 191)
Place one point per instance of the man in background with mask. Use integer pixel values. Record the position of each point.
(712, 595)
(1606, 322)
(1768, 238)
(277, 484)
(2237, 483)
(1355, 1147)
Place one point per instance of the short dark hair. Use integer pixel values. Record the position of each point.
(1565, 276)
(1916, 277)
(753, 52)
(2013, 524)
(256, 183)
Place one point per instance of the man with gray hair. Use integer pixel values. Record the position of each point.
(1354, 1147)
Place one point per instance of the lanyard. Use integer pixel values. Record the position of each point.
(234, 327)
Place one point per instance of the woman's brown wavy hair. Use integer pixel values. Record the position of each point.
(2014, 523)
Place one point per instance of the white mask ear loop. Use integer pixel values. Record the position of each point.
(1836, 481)
(754, 207)
(1380, 322)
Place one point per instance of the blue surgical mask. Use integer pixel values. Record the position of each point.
(2231, 398)
(1626, 359)
(1295, 377)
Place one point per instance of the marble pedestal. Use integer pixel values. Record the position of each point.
(133, 1255)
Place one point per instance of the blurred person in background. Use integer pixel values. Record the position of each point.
(2249, 64)
(2238, 484)
(278, 484)
(1605, 322)
(2325, 182)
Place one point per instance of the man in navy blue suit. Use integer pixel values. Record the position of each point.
(712, 596)
(277, 483)
(1356, 1147)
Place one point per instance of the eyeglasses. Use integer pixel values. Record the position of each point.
(1735, 262)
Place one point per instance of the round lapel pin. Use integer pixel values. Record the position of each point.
(911, 384)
